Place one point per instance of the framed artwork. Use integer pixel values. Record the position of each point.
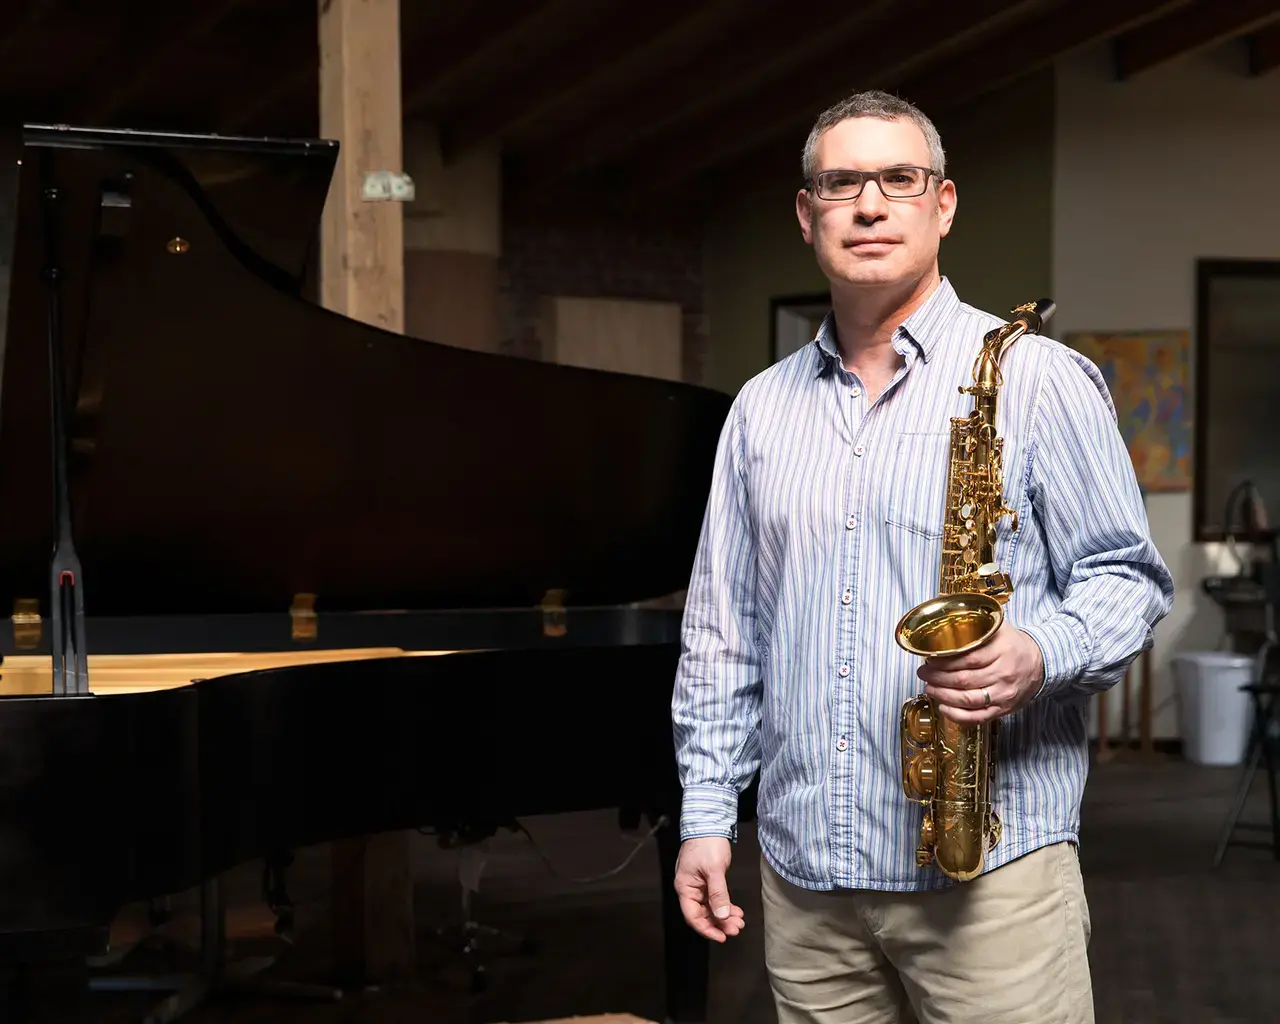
(1147, 374)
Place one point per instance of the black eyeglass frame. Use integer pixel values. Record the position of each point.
(868, 176)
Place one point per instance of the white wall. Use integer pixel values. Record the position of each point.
(1150, 175)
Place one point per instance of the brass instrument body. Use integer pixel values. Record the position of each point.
(947, 767)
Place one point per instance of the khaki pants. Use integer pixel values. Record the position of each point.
(1007, 948)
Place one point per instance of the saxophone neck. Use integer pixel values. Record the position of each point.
(1029, 318)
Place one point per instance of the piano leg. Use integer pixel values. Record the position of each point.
(687, 955)
(217, 973)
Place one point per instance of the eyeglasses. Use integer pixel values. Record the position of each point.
(903, 182)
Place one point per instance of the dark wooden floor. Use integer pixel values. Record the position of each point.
(1173, 939)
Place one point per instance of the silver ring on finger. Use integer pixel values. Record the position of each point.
(986, 694)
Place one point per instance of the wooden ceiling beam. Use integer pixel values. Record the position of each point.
(1195, 27)
(771, 113)
(432, 80)
(131, 70)
(578, 67)
(989, 63)
(1078, 25)
(1264, 51)
(255, 105)
(681, 87)
(744, 74)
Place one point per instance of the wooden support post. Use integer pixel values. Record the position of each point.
(362, 243)
(1145, 742)
(362, 276)
(1104, 728)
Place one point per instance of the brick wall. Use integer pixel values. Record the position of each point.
(579, 245)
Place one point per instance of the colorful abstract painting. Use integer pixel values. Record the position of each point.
(1147, 374)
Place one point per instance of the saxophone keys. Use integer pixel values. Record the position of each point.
(988, 569)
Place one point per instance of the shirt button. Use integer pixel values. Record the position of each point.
(855, 391)
(851, 522)
(844, 671)
(859, 450)
(842, 744)
(847, 596)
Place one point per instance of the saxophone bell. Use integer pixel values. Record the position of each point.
(949, 624)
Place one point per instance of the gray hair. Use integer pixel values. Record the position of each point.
(874, 103)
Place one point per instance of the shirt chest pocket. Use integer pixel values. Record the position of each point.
(917, 483)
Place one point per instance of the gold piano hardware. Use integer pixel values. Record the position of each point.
(303, 614)
(26, 623)
(554, 617)
(178, 246)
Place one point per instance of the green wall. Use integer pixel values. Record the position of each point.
(999, 253)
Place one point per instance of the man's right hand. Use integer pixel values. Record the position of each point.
(703, 890)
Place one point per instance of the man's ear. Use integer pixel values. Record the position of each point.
(946, 207)
(804, 213)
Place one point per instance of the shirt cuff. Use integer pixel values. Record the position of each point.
(1063, 650)
(709, 810)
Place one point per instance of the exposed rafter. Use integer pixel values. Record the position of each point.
(1264, 50)
(1195, 27)
(771, 112)
(481, 53)
(709, 79)
(1025, 50)
(132, 69)
(577, 65)
(638, 97)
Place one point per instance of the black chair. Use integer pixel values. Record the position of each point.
(1264, 738)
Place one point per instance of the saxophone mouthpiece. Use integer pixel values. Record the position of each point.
(1035, 314)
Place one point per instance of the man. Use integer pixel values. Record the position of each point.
(822, 528)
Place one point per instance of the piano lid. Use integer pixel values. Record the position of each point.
(233, 445)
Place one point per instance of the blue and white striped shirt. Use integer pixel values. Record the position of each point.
(824, 525)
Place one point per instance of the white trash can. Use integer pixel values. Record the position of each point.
(1213, 714)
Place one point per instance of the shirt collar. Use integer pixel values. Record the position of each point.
(922, 331)
(929, 325)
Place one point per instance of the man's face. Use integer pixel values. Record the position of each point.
(875, 240)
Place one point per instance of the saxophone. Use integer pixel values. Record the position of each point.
(948, 767)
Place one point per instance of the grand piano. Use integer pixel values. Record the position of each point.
(449, 554)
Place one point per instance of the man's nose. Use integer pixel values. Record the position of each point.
(871, 203)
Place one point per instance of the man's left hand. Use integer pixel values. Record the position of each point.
(994, 680)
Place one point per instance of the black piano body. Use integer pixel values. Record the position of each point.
(195, 458)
